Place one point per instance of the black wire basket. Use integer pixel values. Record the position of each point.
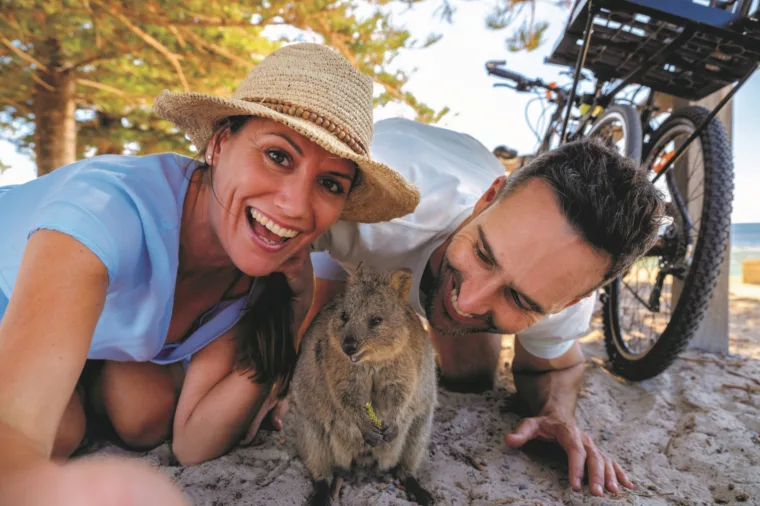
(685, 48)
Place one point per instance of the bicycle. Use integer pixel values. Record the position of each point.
(681, 48)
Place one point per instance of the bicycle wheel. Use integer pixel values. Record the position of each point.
(620, 127)
(654, 309)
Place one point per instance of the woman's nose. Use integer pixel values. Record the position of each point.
(293, 199)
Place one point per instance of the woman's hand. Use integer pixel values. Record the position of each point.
(91, 481)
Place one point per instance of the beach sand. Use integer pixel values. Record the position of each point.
(683, 437)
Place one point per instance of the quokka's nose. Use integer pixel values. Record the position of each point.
(349, 346)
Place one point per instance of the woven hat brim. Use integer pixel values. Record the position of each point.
(383, 194)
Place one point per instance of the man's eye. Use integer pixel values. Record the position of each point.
(279, 157)
(519, 302)
(482, 255)
(333, 186)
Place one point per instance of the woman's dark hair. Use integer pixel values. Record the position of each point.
(266, 342)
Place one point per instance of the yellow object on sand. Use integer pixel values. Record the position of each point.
(372, 416)
(751, 271)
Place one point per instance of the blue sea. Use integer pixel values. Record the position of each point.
(745, 244)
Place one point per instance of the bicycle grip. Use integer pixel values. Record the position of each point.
(508, 74)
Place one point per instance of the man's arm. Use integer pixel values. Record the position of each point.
(550, 387)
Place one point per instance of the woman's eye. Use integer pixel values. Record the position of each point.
(333, 186)
(278, 157)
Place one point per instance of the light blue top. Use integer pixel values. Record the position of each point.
(126, 210)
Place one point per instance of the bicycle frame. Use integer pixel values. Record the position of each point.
(697, 20)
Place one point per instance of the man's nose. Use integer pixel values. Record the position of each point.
(475, 295)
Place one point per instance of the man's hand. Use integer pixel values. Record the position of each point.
(581, 451)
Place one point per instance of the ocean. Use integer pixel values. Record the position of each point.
(745, 244)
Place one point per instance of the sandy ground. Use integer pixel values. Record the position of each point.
(684, 437)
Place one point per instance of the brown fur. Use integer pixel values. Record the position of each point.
(396, 372)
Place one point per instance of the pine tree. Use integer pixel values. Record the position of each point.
(84, 73)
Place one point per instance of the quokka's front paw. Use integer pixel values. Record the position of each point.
(389, 432)
(372, 435)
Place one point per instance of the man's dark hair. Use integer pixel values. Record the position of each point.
(606, 197)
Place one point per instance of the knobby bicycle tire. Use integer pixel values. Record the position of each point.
(710, 248)
(630, 118)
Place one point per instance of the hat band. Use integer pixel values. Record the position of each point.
(297, 111)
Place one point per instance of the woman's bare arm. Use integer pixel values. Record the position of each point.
(44, 338)
(217, 404)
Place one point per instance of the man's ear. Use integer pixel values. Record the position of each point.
(488, 197)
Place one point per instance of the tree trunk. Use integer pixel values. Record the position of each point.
(55, 125)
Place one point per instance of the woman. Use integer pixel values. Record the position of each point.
(165, 275)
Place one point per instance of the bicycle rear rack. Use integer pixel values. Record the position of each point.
(678, 47)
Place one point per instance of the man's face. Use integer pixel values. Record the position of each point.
(514, 262)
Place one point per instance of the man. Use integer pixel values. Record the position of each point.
(493, 255)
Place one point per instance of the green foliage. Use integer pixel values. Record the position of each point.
(124, 52)
(505, 14)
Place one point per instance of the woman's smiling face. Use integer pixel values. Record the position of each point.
(273, 192)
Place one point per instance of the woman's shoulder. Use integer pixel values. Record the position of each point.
(156, 172)
(126, 209)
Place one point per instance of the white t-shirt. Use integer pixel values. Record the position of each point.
(452, 171)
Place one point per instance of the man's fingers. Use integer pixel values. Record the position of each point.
(610, 477)
(595, 464)
(569, 438)
(621, 476)
(576, 460)
(524, 432)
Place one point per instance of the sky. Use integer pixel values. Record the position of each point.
(452, 73)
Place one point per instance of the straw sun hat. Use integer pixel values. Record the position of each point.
(319, 94)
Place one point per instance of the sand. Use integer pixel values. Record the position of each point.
(683, 437)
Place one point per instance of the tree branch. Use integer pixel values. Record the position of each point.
(21, 54)
(152, 42)
(180, 40)
(216, 49)
(19, 106)
(100, 86)
(37, 79)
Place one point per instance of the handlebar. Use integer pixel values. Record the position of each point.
(494, 67)
(523, 83)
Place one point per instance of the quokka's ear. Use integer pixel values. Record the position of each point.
(362, 271)
(401, 281)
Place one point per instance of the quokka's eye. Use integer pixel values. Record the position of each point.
(344, 316)
(375, 321)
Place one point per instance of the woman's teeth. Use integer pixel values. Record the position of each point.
(454, 297)
(271, 226)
